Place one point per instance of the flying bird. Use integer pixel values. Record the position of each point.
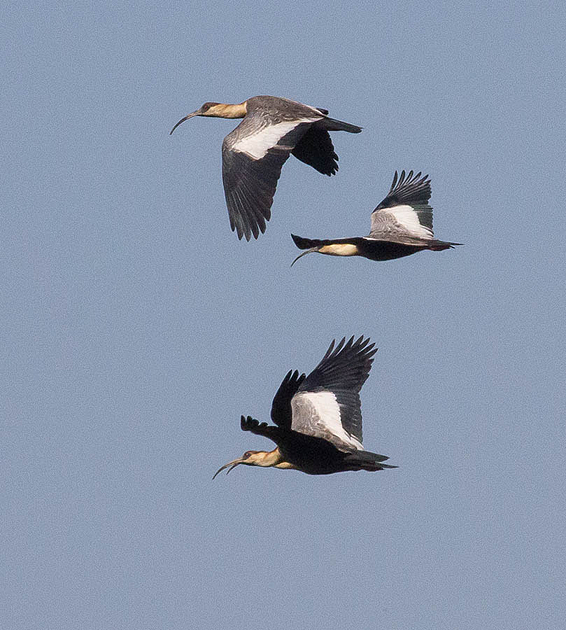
(254, 153)
(318, 417)
(400, 225)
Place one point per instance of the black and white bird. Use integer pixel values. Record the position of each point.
(254, 153)
(400, 225)
(318, 417)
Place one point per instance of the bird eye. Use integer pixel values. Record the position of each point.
(247, 454)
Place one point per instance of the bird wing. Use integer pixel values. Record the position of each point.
(281, 413)
(404, 214)
(327, 403)
(252, 157)
(315, 148)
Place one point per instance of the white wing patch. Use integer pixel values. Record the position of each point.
(258, 143)
(409, 219)
(312, 410)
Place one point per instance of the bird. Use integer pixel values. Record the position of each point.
(254, 152)
(400, 225)
(318, 419)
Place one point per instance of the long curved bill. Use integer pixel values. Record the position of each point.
(183, 120)
(309, 251)
(231, 464)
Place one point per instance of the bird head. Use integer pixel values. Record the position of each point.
(216, 110)
(207, 109)
(265, 459)
(249, 458)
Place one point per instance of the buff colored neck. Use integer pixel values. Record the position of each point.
(225, 110)
(339, 249)
(270, 459)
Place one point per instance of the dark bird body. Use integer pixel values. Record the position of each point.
(401, 225)
(374, 250)
(318, 421)
(255, 151)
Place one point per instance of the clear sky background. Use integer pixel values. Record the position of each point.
(136, 328)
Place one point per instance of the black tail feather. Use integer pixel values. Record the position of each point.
(364, 460)
(438, 246)
(331, 124)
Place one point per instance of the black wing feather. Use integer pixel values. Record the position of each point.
(343, 370)
(281, 407)
(407, 190)
(315, 148)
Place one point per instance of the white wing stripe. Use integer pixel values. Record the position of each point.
(258, 143)
(325, 412)
(409, 219)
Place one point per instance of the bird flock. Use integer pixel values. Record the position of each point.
(317, 418)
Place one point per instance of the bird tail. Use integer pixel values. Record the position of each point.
(438, 246)
(364, 460)
(331, 124)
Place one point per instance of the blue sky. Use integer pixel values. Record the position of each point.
(137, 329)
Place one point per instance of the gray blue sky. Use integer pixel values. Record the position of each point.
(136, 328)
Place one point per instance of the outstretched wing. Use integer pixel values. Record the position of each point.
(281, 407)
(315, 148)
(404, 213)
(252, 157)
(327, 403)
